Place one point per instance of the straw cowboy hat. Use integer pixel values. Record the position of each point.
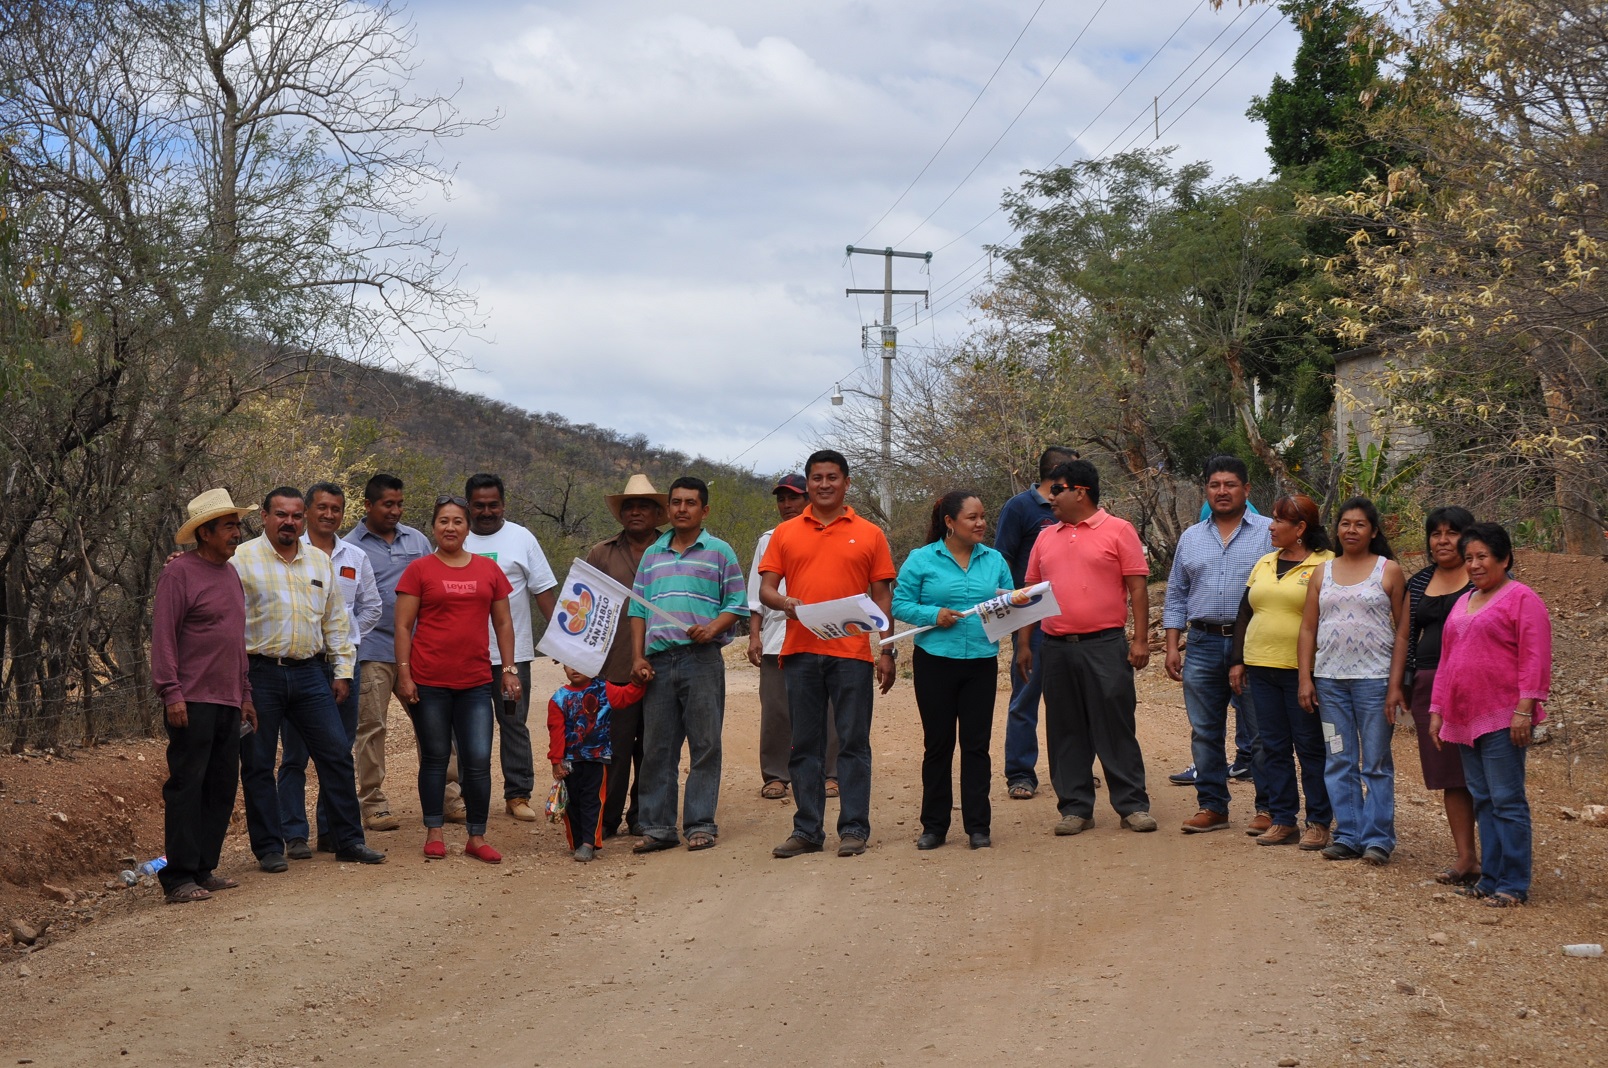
(213, 504)
(637, 486)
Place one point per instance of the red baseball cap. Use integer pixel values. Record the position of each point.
(791, 484)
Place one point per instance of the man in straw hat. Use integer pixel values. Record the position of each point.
(198, 666)
(295, 621)
(640, 509)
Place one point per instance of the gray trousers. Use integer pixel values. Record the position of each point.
(513, 745)
(1089, 704)
(776, 726)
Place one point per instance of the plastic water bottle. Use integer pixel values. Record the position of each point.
(1583, 949)
(151, 867)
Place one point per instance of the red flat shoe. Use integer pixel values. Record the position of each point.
(435, 850)
(483, 852)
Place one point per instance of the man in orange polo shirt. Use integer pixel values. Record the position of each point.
(1096, 566)
(826, 553)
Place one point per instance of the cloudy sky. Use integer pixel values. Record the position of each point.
(656, 226)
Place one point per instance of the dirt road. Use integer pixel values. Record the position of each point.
(1111, 948)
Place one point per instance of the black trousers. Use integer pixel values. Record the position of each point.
(955, 697)
(199, 795)
(587, 785)
(625, 736)
(1089, 703)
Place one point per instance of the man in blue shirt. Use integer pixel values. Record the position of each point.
(1213, 560)
(1020, 521)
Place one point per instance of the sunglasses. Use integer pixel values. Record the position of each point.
(447, 498)
(1062, 487)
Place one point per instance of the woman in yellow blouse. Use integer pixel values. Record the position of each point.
(1264, 660)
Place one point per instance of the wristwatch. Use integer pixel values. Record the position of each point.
(890, 651)
(510, 671)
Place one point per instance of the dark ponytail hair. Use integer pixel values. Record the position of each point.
(947, 507)
(1379, 545)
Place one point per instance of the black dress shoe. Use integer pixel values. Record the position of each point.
(273, 863)
(929, 841)
(296, 849)
(979, 841)
(359, 854)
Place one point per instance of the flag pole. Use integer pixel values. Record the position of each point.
(643, 601)
(972, 611)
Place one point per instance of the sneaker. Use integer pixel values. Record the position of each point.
(381, 821)
(1143, 821)
(298, 849)
(1260, 824)
(1240, 771)
(585, 852)
(795, 846)
(851, 846)
(519, 808)
(1376, 856)
(1278, 834)
(1205, 820)
(1339, 851)
(1073, 825)
(1315, 837)
(1183, 778)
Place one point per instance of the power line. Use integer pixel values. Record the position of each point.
(956, 128)
(959, 185)
(854, 376)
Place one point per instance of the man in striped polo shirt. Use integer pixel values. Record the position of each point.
(695, 577)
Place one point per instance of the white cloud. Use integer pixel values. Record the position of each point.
(660, 215)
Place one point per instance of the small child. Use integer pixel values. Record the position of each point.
(580, 751)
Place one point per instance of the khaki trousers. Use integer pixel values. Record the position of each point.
(373, 709)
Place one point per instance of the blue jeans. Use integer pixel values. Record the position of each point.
(1283, 726)
(293, 766)
(1494, 768)
(441, 716)
(815, 683)
(1022, 716)
(1361, 777)
(1206, 700)
(298, 695)
(685, 703)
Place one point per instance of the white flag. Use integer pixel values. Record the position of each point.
(1016, 609)
(846, 617)
(590, 607)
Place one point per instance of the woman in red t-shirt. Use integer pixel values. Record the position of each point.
(443, 671)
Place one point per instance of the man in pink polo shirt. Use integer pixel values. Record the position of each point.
(1096, 566)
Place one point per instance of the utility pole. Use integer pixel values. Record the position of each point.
(890, 349)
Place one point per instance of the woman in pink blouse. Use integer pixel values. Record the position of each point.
(1495, 670)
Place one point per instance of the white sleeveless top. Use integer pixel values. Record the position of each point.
(1355, 634)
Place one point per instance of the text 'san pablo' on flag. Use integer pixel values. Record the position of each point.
(590, 607)
(1016, 609)
(846, 617)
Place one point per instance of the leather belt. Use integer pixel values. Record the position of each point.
(287, 661)
(1093, 634)
(1225, 630)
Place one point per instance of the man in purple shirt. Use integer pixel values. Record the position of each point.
(198, 665)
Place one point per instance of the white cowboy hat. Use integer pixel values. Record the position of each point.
(636, 486)
(213, 504)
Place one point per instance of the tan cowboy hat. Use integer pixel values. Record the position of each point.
(636, 486)
(213, 504)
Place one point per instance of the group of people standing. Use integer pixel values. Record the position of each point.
(1332, 644)
(303, 637)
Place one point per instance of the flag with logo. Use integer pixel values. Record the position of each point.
(590, 607)
(846, 617)
(1016, 609)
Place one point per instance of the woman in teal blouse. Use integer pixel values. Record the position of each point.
(956, 666)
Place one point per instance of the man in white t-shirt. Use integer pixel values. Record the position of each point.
(766, 630)
(519, 554)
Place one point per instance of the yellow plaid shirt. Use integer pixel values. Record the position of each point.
(294, 609)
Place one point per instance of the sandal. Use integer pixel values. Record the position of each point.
(653, 845)
(1472, 892)
(1022, 791)
(185, 893)
(700, 840)
(774, 790)
(217, 882)
(1501, 900)
(1453, 877)
(831, 788)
